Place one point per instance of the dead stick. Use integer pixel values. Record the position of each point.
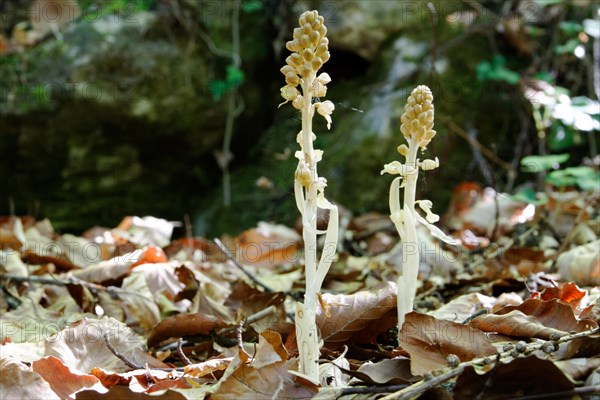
(424, 385)
(227, 253)
(121, 357)
(181, 353)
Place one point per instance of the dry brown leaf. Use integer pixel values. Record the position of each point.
(268, 245)
(266, 377)
(578, 368)
(63, 380)
(124, 392)
(515, 323)
(461, 308)
(270, 350)
(17, 381)
(350, 314)
(386, 372)
(207, 367)
(138, 302)
(522, 376)
(553, 314)
(581, 264)
(429, 341)
(81, 346)
(181, 325)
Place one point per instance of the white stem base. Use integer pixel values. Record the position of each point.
(308, 339)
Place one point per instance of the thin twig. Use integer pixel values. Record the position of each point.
(181, 353)
(424, 385)
(227, 253)
(70, 281)
(121, 357)
(239, 330)
(251, 319)
(371, 389)
(445, 375)
(476, 143)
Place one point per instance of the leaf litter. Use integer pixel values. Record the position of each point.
(128, 312)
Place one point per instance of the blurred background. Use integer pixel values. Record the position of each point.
(170, 108)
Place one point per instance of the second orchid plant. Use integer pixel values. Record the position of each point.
(417, 129)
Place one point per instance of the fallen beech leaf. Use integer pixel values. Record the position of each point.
(124, 392)
(526, 259)
(515, 323)
(567, 292)
(81, 346)
(268, 245)
(110, 379)
(429, 341)
(520, 377)
(352, 313)
(581, 264)
(332, 373)
(266, 377)
(578, 368)
(387, 372)
(64, 381)
(17, 381)
(463, 307)
(207, 367)
(138, 301)
(270, 350)
(553, 314)
(181, 325)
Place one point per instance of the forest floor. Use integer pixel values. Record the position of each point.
(125, 312)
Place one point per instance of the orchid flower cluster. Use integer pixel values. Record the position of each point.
(310, 51)
(417, 129)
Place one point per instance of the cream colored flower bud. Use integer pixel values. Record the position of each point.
(316, 64)
(293, 45)
(418, 116)
(314, 38)
(305, 40)
(292, 79)
(295, 60)
(325, 109)
(325, 57)
(286, 69)
(307, 55)
(428, 165)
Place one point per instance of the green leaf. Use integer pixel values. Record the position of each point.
(545, 3)
(544, 76)
(235, 76)
(529, 196)
(217, 89)
(542, 163)
(252, 6)
(494, 70)
(568, 47)
(562, 137)
(584, 177)
(570, 27)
